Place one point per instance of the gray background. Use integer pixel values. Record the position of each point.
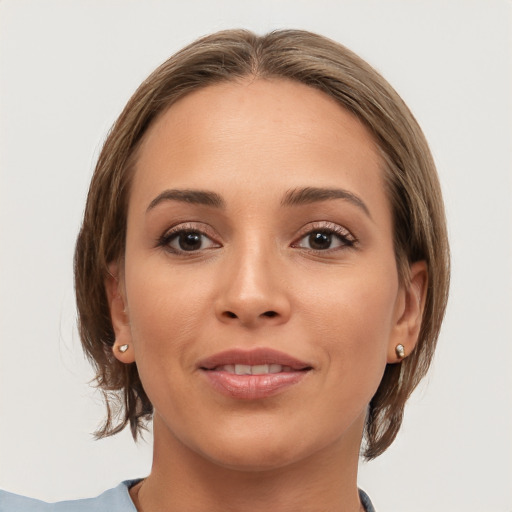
(67, 68)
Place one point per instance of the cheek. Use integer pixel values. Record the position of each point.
(164, 308)
(353, 318)
(163, 316)
(353, 302)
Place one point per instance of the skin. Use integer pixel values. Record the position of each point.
(340, 308)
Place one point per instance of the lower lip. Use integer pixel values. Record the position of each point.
(252, 387)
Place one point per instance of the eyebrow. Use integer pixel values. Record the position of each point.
(307, 195)
(295, 197)
(202, 197)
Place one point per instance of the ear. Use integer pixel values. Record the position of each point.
(409, 312)
(123, 346)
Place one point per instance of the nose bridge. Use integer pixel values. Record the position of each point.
(252, 291)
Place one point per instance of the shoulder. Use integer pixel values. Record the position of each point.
(114, 500)
(365, 501)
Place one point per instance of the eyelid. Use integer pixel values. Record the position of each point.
(199, 227)
(327, 226)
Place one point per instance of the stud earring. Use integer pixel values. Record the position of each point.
(400, 351)
(123, 348)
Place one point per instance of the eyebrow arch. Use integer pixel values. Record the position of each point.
(300, 196)
(202, 197)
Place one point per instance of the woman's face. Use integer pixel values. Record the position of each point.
(259, 292)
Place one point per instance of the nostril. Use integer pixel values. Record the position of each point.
(268, 314)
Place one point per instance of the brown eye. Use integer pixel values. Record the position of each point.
(188, 241)
(326, 239)
(320, 240)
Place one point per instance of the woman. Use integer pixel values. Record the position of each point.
(263, 271)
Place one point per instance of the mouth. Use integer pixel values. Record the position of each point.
(256, 369)
(253, 374)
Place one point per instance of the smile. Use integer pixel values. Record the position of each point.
(252, 375)
(257, 369)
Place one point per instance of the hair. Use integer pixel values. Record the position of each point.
(410, 176)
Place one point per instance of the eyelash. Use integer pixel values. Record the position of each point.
(182, 229)
(343, 235)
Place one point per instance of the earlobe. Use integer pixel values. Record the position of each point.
(409, 314)
(122, 348)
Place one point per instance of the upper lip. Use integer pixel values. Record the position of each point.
(255, 356)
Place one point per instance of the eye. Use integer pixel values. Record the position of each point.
(183, 240)
(326, 238)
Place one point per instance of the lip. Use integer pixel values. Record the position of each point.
(260, 355)
(252, 387)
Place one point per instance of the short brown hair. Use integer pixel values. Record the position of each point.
(412, 186)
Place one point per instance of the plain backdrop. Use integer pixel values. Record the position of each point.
(66, 70)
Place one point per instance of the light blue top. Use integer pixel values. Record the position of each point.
(114, 500)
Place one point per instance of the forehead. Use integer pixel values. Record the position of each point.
(257, 131)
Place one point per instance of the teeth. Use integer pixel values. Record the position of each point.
(275, 368)
(242, 369)
(257, 369)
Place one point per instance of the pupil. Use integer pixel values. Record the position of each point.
(320, 240)
(190, 241)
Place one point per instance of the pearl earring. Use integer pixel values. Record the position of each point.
(400, 351)
(123, 348)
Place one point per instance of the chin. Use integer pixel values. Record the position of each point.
(255, 458)
(263, 449)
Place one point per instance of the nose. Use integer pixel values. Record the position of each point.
(253, 290)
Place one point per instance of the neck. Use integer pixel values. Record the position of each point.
(182, 480)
